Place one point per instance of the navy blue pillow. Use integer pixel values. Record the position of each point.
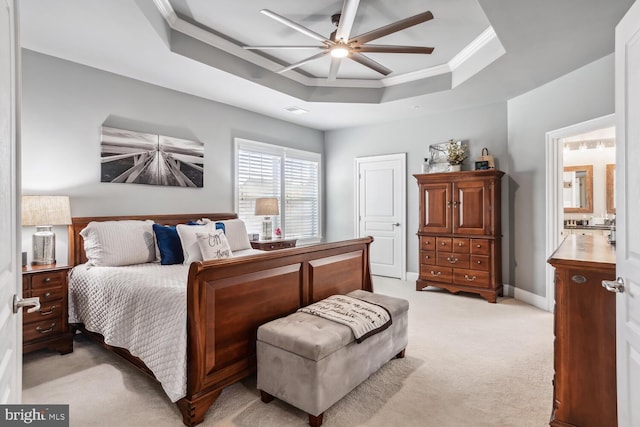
(169, 244)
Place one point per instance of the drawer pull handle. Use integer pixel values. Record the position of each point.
(46, 331)
(460, 244)
(578, 278)
(478, 246)
(433, 273)
(471, 279)
(45, 313)
(452, 260)
(47, 294)
(47, 279)
(426, 256)
(444, 244)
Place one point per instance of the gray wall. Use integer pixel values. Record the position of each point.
(65, 104)
(584, 94)
(478, 127)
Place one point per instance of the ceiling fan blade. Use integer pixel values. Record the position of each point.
(392, 49)
(333, 70)
(347, 16)
(391, 28)
(282, 47)
(304, 61)
(368, 62)
(295, 26)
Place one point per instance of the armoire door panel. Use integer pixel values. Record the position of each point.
(436, 208)
(471, 208)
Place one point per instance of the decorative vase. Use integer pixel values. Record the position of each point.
(455, 168)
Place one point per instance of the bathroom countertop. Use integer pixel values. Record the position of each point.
(588, 227)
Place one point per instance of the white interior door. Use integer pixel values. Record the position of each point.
(380, 211)
(627, 208)
(10, 266)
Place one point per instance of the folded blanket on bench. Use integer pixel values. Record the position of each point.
(364, 318)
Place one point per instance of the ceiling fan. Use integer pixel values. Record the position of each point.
(339, 45)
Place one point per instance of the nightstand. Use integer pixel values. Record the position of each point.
(49, 327)
(273, 244)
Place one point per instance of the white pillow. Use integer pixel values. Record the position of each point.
(236, 233)
(189, 241)
(213, 245)
(117, 243)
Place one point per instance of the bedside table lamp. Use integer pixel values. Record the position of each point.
(266, 206)
(44, 212)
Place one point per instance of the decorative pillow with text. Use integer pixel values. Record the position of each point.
(214, 245)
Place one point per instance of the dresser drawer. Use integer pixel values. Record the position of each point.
(428, 243)
(475, 278)
(479, 246)
(47, 311)
(428, 257)
(42, 329)
(479, 262)
(48, 280)
(444, 244)
(460, 245)
(452, 259)
(437, 274)
(49, 295)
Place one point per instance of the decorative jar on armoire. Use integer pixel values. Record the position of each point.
(459, 232)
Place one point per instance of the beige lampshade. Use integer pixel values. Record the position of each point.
(267, 206)
(46, 210)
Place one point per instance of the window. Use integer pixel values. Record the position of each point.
(293, 176)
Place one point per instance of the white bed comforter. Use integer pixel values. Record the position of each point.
(142, 308)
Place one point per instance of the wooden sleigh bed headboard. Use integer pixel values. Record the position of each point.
(228, 299)
(76, 244)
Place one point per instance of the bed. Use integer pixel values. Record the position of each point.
(227, 299)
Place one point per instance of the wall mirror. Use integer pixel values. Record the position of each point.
(611, 188)
(577, 192)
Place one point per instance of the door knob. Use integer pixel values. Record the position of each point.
(18, 303)
(611, 286)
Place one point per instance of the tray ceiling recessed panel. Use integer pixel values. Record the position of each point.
(457, 32)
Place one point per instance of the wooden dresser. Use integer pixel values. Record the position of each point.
(49, 327)
(459, 232)
(584, 392)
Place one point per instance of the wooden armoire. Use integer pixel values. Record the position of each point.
(459, 232)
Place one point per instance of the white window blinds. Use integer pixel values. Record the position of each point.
(293, 176)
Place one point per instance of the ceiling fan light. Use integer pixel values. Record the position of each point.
(339, 52)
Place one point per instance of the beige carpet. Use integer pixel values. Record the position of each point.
(469, 363)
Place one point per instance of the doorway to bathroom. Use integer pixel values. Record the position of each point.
(580, 173)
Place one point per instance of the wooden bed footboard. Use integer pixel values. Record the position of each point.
(228, 299)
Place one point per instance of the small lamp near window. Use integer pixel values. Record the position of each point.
(44, 212)
(267, 206)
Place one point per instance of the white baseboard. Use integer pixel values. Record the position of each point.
(508, 291)
(527, 297)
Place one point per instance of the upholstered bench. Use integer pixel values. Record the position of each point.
(311, 362)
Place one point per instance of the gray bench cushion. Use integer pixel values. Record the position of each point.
(313, 337)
